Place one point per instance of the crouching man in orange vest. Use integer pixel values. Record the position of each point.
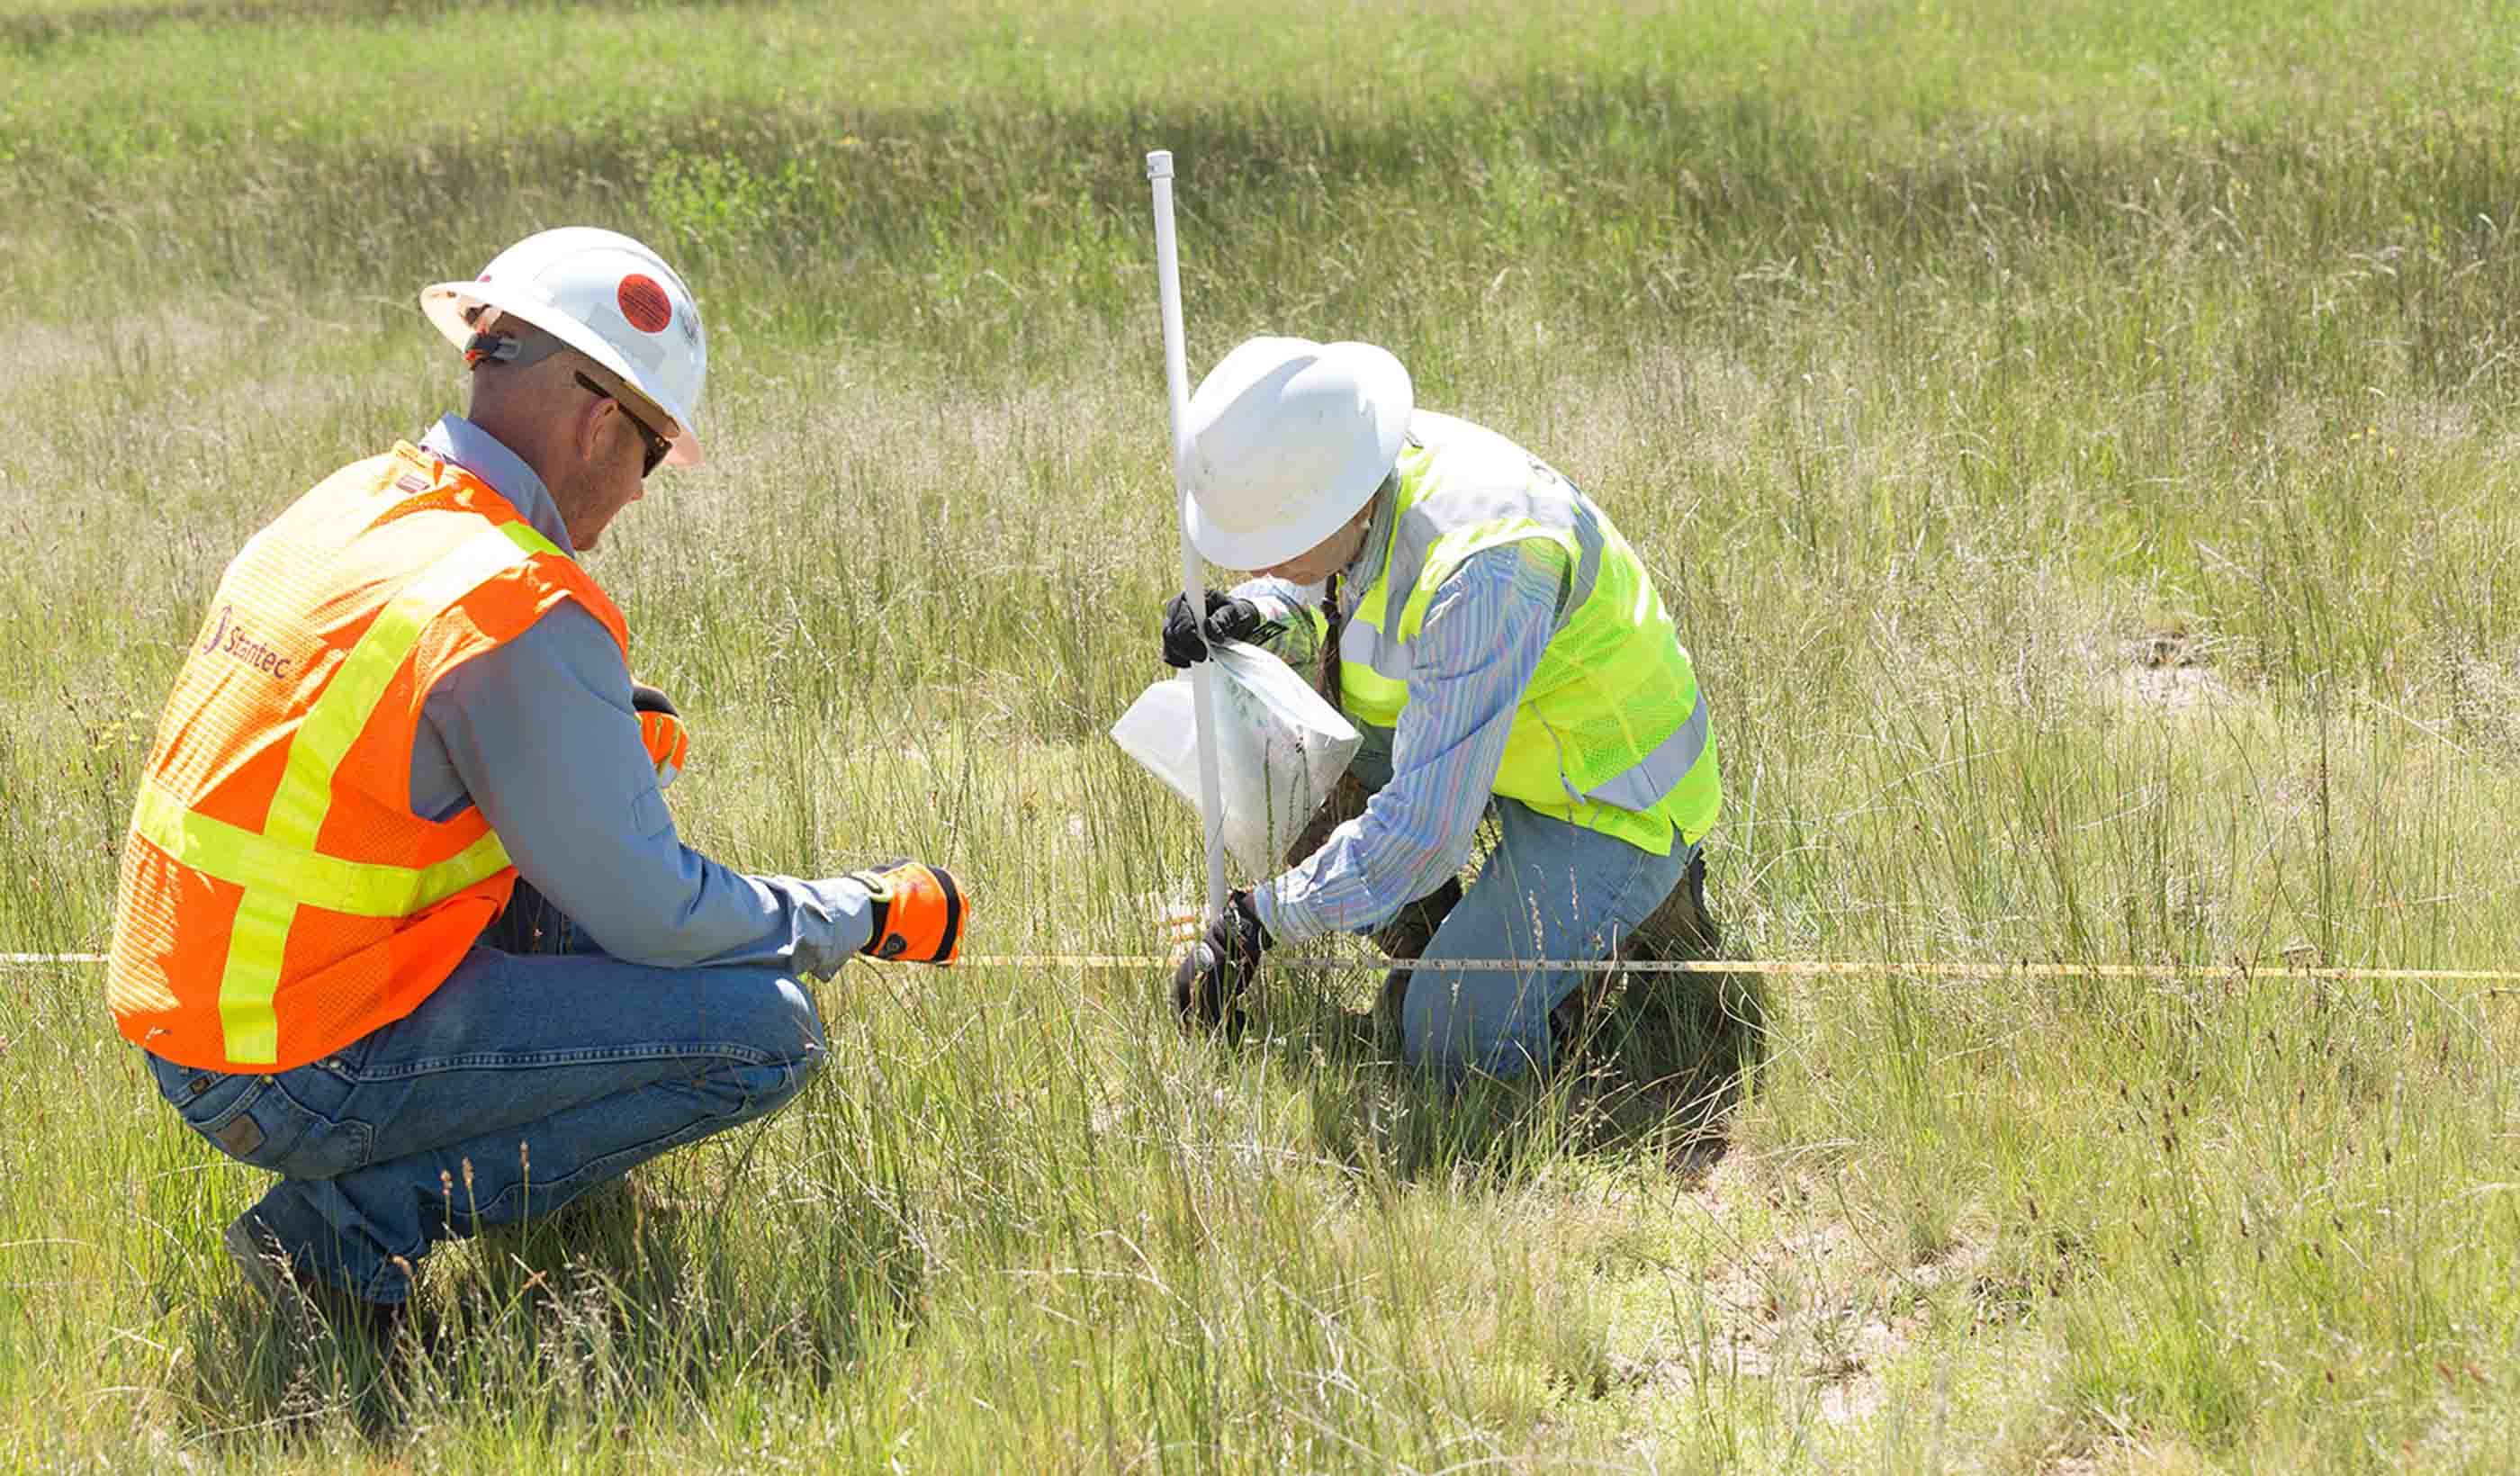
(402, 916)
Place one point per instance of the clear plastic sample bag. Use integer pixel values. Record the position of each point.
(1280, 748)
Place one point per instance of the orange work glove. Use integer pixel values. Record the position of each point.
(917, 912)
(660, 731)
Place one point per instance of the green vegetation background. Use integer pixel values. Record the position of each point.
(2076, 441)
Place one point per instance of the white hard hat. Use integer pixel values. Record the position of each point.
(1287, 438)
(607, 297)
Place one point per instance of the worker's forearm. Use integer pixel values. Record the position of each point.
(1484, 635)
(539, 735)
(1413, 835)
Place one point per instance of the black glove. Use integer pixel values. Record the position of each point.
(1228, 619)
(1212, 976)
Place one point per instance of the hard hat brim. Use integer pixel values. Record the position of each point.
(1384, 386)
(447, 304)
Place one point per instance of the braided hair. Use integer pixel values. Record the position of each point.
(1326, 679)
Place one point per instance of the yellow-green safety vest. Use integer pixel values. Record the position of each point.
(1612, 733)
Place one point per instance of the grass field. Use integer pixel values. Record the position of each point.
(2076, 440)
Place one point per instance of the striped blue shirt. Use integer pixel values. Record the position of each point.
(1485, 630)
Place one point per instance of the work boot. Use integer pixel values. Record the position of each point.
(1683, 927)
(309, 1301)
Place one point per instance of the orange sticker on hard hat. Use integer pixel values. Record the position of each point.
(645, 303)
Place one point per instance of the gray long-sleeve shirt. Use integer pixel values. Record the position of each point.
(540, 736)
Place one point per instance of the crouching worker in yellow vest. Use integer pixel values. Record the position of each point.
(403, 917)
(1505, 653)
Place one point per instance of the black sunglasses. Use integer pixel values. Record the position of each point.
(657, 445)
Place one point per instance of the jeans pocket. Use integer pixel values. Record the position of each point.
(259, 1120)
(302, 1111)
(209, 1101)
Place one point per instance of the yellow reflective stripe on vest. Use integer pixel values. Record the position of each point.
(248, 1027)
(358, 888)
(298, 875)
(351, 695)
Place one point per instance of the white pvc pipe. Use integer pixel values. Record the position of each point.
(1211, 806)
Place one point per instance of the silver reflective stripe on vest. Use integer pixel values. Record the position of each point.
(1446, 508)
(1588, 534)
(1642, 785)
(1365, 646)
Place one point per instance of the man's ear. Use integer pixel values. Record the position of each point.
(586, 428)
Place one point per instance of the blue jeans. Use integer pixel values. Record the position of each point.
(526, 1080)
(1550, 890)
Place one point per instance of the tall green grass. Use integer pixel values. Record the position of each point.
(2074, 440)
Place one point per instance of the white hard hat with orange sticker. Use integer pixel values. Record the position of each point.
(605, 295)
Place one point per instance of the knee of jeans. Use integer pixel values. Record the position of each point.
(767, 1088)
(1447, 1031)
(770, 1012)
(795, 1026)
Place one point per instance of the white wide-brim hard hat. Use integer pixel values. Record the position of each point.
(1287, 439)
(605, 295)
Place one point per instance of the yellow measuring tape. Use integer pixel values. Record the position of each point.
(1804, 967)
(1787, 967)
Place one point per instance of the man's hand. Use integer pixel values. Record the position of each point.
(1211, 977)
(1228, 619)
(660, 732)
(917, 912)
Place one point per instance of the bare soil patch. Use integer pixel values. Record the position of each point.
(2169, 671)
(1818, 1304)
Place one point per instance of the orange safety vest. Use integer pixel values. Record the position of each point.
(279, 898)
